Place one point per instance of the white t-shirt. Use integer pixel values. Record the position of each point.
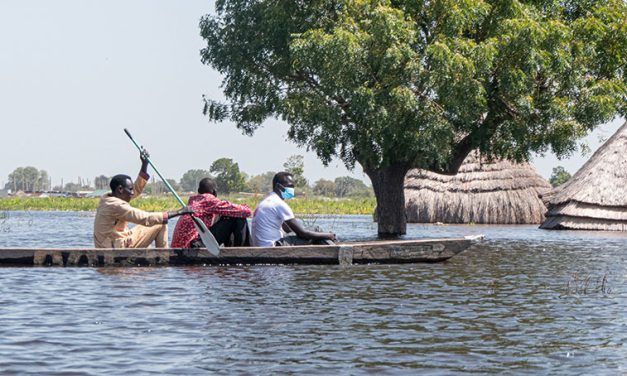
(271, 212)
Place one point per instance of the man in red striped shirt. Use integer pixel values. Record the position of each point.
(226, 221)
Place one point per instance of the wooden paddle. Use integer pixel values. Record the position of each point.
(205, 235)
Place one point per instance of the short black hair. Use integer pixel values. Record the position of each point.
(280, 178)
(118, 180)
(206, 185)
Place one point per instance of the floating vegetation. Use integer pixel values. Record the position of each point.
(49, 203)
(587, 284)
(300, 205)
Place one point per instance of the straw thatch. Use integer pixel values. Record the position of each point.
(499, 192)
(595, 198)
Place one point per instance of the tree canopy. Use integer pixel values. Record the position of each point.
(559, 176)
(261, 183)
(324, 187)
(394, 85)
(347, 186)
(228, 177)
(295, 165)
(28, 179)
(191, 178)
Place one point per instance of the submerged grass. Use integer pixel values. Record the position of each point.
(300, 205)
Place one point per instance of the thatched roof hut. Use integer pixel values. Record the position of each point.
(595, 198)
(499, 192)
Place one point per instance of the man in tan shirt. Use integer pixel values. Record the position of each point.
(114, 212)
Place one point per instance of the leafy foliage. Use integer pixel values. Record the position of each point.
(324, 187)
(397, 84)
(228, 176)
(299, 205)
(191, 178)
(28, 179)
(295, 165)
(559, 176)
(347, 186)
(261, 183)
(417, 82)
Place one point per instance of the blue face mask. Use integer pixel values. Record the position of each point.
(287, 193)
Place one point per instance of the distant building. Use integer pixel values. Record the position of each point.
(97, 193)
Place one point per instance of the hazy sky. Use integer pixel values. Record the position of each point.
(73, 74)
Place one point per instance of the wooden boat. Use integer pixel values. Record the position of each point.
(394, 251)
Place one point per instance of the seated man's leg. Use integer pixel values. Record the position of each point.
(241, 233)
(142, 236)
(226, 227)
(293, 239)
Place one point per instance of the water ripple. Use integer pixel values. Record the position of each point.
(525, 302)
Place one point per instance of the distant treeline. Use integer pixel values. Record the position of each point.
(224, 171)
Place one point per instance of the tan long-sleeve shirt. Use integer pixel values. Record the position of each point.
(114, 214)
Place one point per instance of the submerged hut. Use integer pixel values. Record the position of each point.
(499, 192)
(595, 198)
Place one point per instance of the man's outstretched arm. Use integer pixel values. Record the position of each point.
(303, 233)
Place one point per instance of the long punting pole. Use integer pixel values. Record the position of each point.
(205, 235)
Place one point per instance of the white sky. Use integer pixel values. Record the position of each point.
(74, 73)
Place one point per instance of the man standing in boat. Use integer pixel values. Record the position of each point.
(226, 221)
(274, 223)
(114, 212)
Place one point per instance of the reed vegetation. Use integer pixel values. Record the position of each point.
(300, 205)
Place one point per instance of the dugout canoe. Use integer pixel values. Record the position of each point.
(389, 252)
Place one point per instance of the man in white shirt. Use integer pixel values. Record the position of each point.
(273, 219)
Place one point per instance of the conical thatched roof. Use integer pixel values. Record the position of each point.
(500, 192)
(595, 198)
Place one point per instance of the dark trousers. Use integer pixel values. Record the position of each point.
(293, 239)
(232, 232)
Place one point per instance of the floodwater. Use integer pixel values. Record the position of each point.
(526, 301)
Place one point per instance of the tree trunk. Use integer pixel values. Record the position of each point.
(388, 184)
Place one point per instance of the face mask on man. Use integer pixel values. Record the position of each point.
(287, 193)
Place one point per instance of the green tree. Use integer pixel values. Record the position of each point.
(228, 176)
(28, 179)
(191, 178)
(324, 187)
(261, 183)
(295, 165)
(347, 186)
(395, 85)
(559, 176)
(174, 184)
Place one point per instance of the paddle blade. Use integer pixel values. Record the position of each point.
(207, 237)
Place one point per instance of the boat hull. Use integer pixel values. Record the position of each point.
(398, 251)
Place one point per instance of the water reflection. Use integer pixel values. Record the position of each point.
(509, 306)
